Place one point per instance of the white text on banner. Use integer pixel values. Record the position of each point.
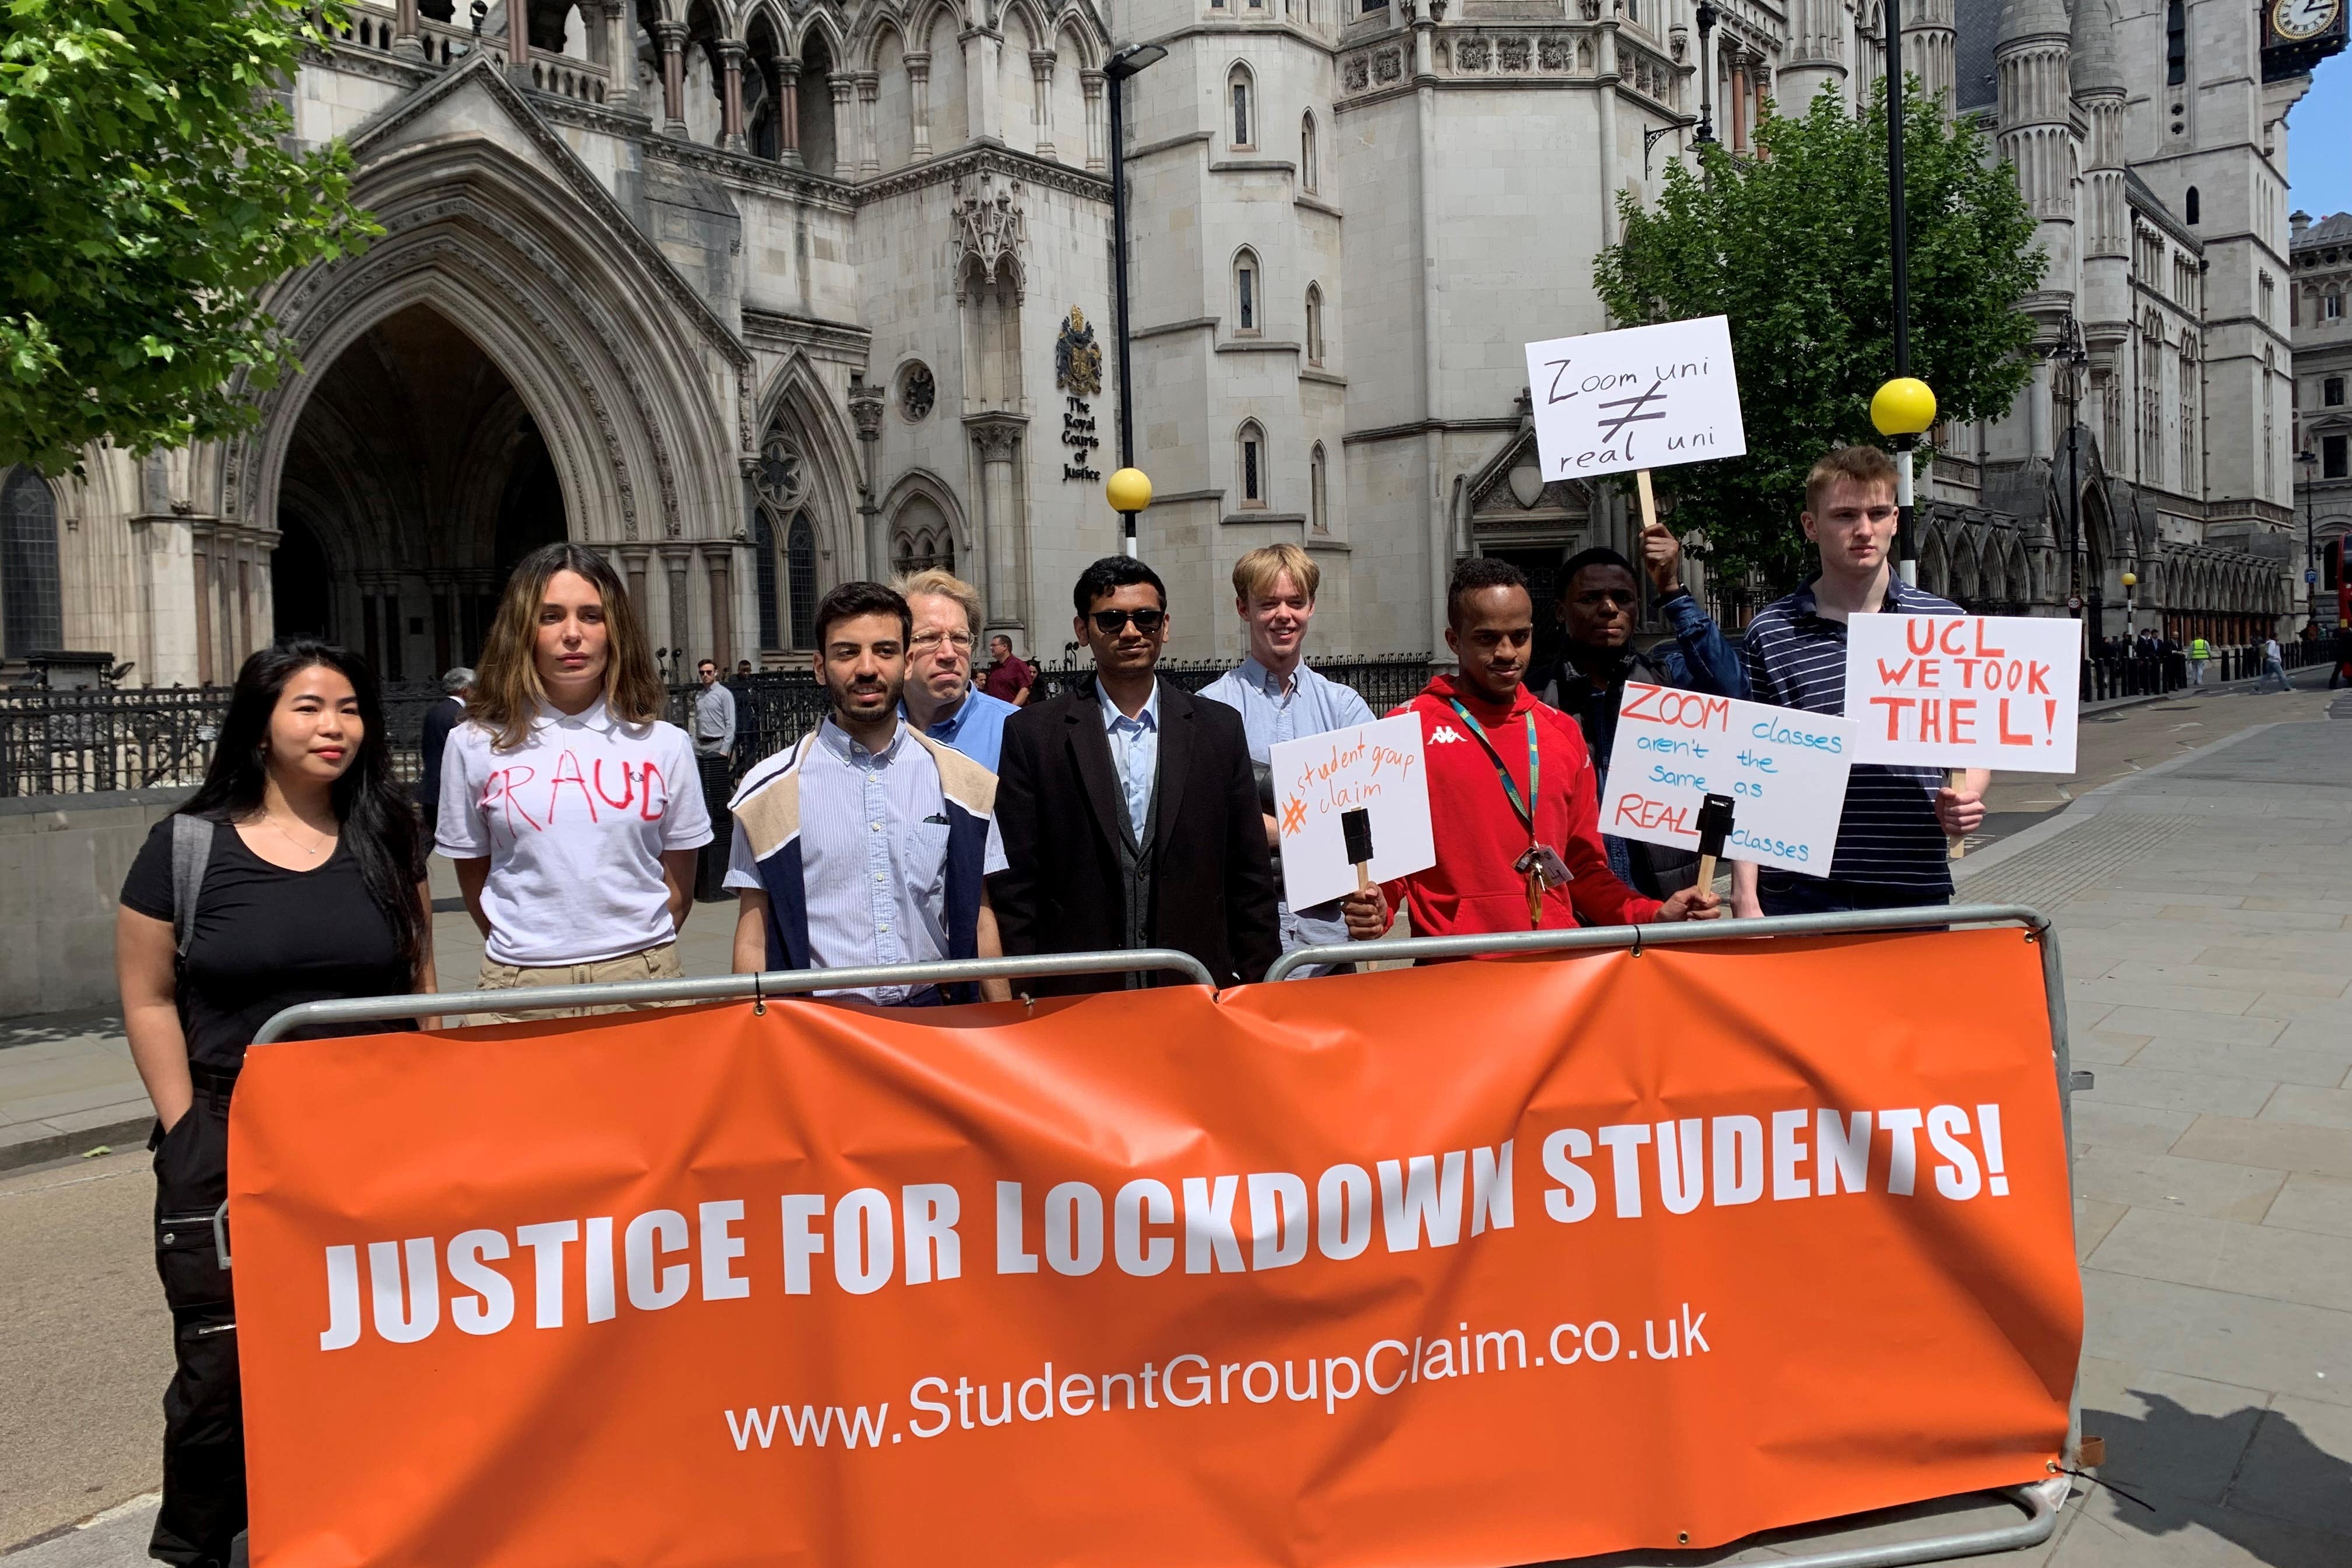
(1784, 771)
(1965, 691)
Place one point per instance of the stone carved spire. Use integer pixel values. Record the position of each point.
(990, 231)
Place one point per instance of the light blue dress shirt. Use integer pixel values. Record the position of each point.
(976, 728)
(1274, 710)
(873, 857)
(1135, 752)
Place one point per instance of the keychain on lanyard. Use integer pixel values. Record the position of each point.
(1533, 863)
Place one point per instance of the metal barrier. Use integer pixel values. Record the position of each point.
(2041, 1507)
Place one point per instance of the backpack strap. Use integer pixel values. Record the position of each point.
(192, 846)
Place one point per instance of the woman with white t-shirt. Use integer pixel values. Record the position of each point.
(573, 812)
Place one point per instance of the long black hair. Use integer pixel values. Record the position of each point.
(378, 826)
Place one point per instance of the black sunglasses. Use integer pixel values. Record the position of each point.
(1110, 622)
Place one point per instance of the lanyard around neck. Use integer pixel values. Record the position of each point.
(1534, 766)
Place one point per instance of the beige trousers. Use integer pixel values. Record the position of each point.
(660, 963)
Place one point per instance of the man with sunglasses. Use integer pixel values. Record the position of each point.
(1598, 602)
(939, 697)
(1129, 813)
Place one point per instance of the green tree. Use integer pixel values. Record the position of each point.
(1791, 245)
(146, 197)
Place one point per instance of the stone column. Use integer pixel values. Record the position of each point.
(869, 153)
(983, 110)
(633, 560)
(997, 441)
(1041, 118)
(919, 89)
(619, 57)
(865, 410)
(406, 35)
(846, 154)
(718, 566)
(1739, 103)
(677, 558)
(788, 110)
(731, 94)
(518, 36)
(671, 37)
(1098, 153)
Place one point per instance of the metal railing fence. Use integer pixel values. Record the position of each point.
(57, 742)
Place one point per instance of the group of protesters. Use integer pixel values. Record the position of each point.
(923, 819)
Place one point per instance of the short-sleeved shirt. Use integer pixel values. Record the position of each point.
(1005, 679)
(574, 821)
(1888, 835)
(1274, 710)
(874, 855)
(976, 728)
(266, 938)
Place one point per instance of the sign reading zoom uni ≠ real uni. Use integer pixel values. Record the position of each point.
(1156, 1279)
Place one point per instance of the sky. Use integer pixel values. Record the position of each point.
(2319, 142)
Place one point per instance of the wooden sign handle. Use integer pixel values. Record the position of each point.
(1363, 876)
(1706, 871)
(1952, 780)
(1649, 499)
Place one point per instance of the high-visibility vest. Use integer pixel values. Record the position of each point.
(2198, 649)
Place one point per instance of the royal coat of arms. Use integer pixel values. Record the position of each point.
(1077, 358)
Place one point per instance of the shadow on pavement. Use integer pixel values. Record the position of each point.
(2253, 1477)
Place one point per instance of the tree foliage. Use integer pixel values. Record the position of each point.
(1791, 245)
(146, 197)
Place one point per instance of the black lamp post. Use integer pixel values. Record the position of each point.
(2310, 461)
(1706, 19)
(1122, 65)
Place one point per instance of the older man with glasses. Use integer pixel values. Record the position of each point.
(940, 699)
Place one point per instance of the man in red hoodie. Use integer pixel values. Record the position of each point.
(1514, 801)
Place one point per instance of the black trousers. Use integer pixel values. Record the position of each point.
(203, 1417)
(710, 871)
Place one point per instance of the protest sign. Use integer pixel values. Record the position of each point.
(1641, 398)
(1441, 1265)
(1318, 780)
(1965, 691)
(1784, 771)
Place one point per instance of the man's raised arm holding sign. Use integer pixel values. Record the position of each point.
(1891, 839)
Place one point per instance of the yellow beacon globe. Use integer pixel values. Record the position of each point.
(1129, 490)
(1904, 406)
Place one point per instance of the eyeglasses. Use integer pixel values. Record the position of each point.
(929, 642)
(1110, 622)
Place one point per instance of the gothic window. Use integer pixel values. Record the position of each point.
(2151, 400)
(2332, 455)
(2189, 206)
(2176, 50)
(32, 615)
(1308, 173)
(921, 548)
(800, 572)
(1314, 324)
(764, 552)
(2190, 432)
(2270, 298)
(917, 391)
(1246, 280)
(1318, 513)
(1252, 442)
(781, 470)
(1237, 93)
(2270, 438)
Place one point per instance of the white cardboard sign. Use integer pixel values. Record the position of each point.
(1784, 771)
(1641, 398)
(1318, 778)
(1965, 691)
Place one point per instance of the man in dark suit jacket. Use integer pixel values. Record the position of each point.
(1129, 812)
(439, 719)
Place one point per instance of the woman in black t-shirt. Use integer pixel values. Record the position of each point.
(308, 872)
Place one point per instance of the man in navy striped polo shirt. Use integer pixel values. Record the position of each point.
(1891, 842)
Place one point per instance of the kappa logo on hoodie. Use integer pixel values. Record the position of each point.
(1446, 732)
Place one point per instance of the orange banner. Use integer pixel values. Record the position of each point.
(1486, 1263)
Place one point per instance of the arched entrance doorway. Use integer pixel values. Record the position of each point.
(415, 478)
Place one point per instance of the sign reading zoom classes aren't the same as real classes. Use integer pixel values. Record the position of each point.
(1784, 771)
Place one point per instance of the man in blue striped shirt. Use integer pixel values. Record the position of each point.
(1891, 839)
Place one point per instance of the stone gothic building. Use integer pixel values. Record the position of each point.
(759, 295)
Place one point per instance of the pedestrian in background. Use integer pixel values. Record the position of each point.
(1598, 601)
(2273, 667)
(1893, 838)
(2199, 650)
(711, 724)
(1514, 802)
(1008, 679)
(938, 696)
(867, 843)
(433, 742)
(1280, 699)
(1129, 815)
(296, 874)
(573, 812)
